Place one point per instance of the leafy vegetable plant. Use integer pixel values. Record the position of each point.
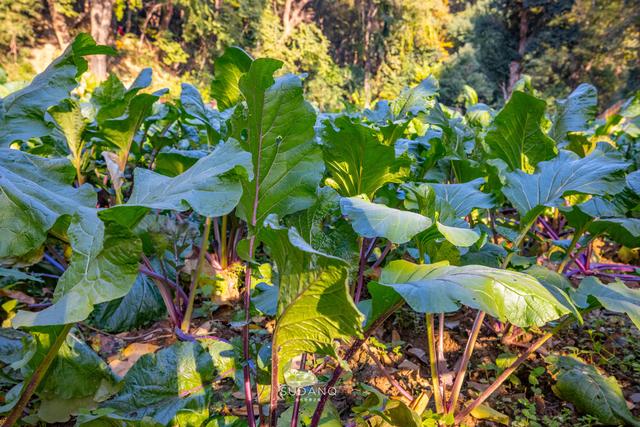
(125, 207)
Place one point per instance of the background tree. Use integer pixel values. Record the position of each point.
(352, 51)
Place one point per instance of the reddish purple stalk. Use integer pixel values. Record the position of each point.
(361, 267)
(296, 403)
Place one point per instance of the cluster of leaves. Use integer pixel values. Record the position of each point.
(132, 205)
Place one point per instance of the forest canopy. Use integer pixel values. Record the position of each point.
(351, 52)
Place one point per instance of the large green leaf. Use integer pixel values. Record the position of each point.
(37, 193)
(142, 305)
(105, 272)
(202, 115)
(615, 296)
(459, 236)
(358, 163)
(314, 305)
(277, 128)
(38, 198)
(564, 175)
(68, 117)
(211, 187)
(516, 136)
(376, 220)
(463, 198)
(167, 388)
(601, 216)
(558, 285)
(120, 127)
(228, 69)
(77, 379)
(574, 113)
(503, 294)
(590, 391)
(22, 113)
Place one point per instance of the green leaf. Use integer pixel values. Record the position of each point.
(416, 99)
(322, 227)
(486, 412)
(601, 216)
(142, 304)
(633, 182)
(516, 136)
(314, 305)
(36, 194)
(211, 187)
(397, 414)
(503, 294)
(106, 271)
(22, 113)
(170, 387)
(267, 300)
(463, 198)
(382, 299)
(77, 378)
(376, 220)
(458, 236)
(69, 119)
(120, 121)
(590, 391)
(173, 162)
(566, 174)
(574, 113)
(358, 163)
(228, 69)
(194, 107)
(558, 285)
(615, 296)
(279, 126)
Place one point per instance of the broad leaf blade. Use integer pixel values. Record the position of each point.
(615, 296)
(169, 387)
(516, 136)
(22, 113)
(211, 187)
(567, 174)
(574, 113)
(279, 125)
(228, 70)
(590, 391)
(314, 305)
(358, 163)
(376, 220)
(503, 294)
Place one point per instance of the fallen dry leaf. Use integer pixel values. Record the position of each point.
(120, 364)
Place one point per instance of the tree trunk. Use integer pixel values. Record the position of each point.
(59, 25)
(515, 68)
(367, 13)
(101, 14)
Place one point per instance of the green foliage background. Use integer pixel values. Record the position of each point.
(354, 51)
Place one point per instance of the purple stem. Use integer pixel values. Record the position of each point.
(361, 267)
(51, 260)
(384, 253)
(613, 267)
(296, 403)
(555, 236)
(176, 317)
(166, 280)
